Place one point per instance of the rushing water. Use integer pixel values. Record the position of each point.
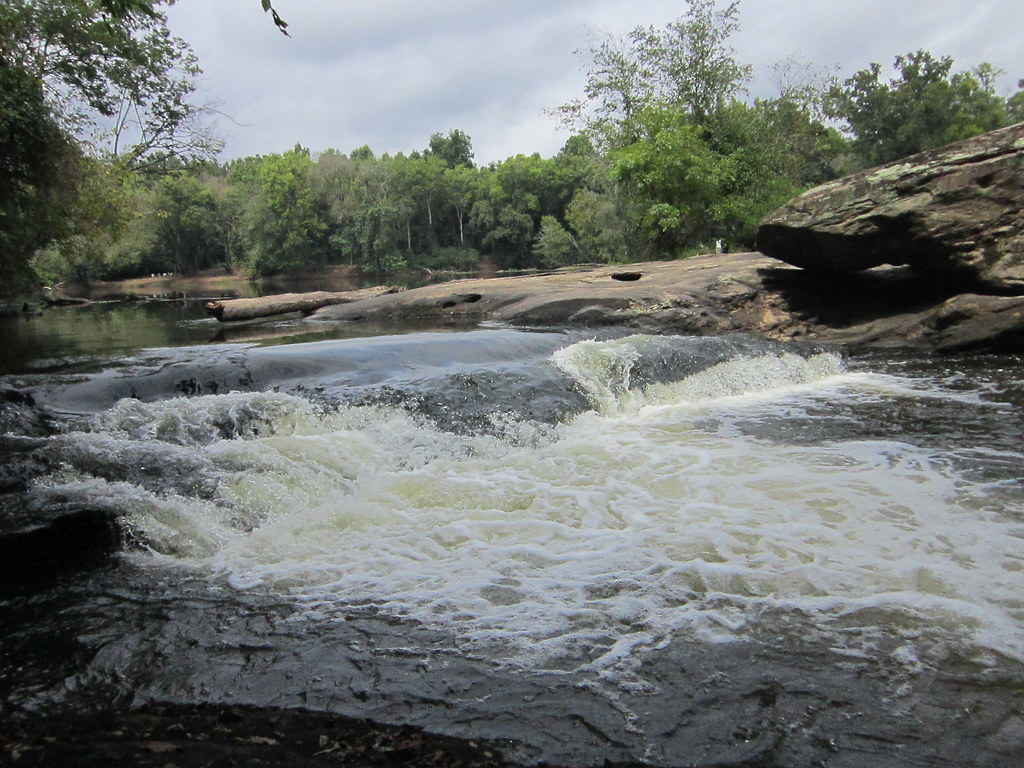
(596, 545)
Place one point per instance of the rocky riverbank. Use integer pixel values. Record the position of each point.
(206, 735)
(723, 293)
(927, 252)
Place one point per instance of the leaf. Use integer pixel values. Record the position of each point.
(281, 23)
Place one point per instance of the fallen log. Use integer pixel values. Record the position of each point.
(66, 301)
(282, 303)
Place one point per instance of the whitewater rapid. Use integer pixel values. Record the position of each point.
(679, 504)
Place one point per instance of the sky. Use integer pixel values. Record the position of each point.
(389, 73)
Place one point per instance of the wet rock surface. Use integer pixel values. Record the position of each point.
(207, 735)
(213, 688)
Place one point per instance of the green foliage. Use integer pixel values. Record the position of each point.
(689, 65)
(812, 152)
(452, 258)
(600, 225)
(1015, 105)
(690, 161)
(188, 227)
(282, 226)
(555, 247)
(924, 107)
(39, 168)
(692, 61)
(509, 236)
(98, 213)
(110, 71)
(362, 153)
(454, 150)
(460, 188)
(690, 183)
(113, 71)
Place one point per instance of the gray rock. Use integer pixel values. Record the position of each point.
(720, 293)
(953, 213)
(699, 295)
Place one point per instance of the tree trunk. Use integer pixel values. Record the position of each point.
(266, 306)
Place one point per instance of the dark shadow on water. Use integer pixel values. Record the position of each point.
(66, 338)
(191, 673)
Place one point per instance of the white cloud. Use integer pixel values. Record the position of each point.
(390, 73)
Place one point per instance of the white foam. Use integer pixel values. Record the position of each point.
(607, 535)
(604, 371)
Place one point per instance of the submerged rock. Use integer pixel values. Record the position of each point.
(953, 213)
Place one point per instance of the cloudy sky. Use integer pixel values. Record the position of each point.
(389, 73)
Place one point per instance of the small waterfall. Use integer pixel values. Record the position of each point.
(653, 515)
(624, 375)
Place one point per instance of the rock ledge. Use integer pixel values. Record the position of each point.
(953, 213)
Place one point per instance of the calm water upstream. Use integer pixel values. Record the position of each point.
(594, 544)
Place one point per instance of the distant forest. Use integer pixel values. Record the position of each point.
(110, 172)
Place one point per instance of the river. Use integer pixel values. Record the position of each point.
(582, 544)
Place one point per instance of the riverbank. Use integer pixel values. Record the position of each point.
(723, 293)
(888, 307)
(162, 735)
(218, 282)
(223, 283)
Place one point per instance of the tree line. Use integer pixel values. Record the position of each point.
(666, 155)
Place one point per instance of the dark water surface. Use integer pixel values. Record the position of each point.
(585, 544)
(62, 338)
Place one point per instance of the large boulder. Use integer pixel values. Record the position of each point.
(954, 213)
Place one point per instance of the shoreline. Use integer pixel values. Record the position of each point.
(887, 307)
(199, 735)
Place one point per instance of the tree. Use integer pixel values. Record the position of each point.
(555, 246)
(187, 225)
(691, 184)
(515, 195)
(601, 225)
(81, 78)
(94, 217)
(39, 169)
(454, 150)
(690, 161)
(688, 66)
(111, 72)
(619, 85)
(816, 151)
(283, 226)
(1015, 105)
(673, 177)
(695, 67)
(462, 187)
(924, 107)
